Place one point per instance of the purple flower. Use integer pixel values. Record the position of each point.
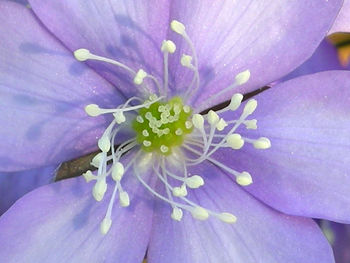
(219, 44)
(342, 23)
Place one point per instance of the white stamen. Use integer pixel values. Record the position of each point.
(221, 125)
(200, 213)
(119, 117)
(124, 199)
(177, 214)
(97, 160)
(251, 124)
(168, 46)
(139, 77)
(117, 171)
(104, 144)
(186, 61)
(180, 191)
(178, 131)
(243, 77)
(105, 225)
(262, 143)
(89, 176)
(82, 54)
(244, 179)
(250, 107)
(198, 121)
(93, 110)
(235, 141)
(213, 118)
(236, 101)
(177, 27)
(227, 218)
(194, 181)
(99, 190)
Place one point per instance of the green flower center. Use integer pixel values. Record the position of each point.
(163, 125)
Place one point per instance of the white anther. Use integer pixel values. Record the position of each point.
(262, 143)
(251, 124)
(99, 190)
(242, 77)
(198, 121)
(119, 117)
(168, 46)
(117, 171)
(140, 75)
(244, 179)
(82, 54)
(194, 181)
(139, 119)
(177, 27)
(97, 160)
(186, 61)
(235, 141)
(221, 124)
(164, 149)
(236, 101)
(104, 143)
(89, 176)
(176, 214)
(213, 117)
(105, 225)
(146, 143)
(228, 218)
(124, 199)
(180, 191)
(250, 107)
(186, 109)
(188, 125)
(145, 133)
(199, 213)
(92, 110)
(178, 131)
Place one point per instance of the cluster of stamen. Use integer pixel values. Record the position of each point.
(169, 138)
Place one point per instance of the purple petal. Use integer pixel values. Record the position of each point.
(270, 38)
(43, 95)
(325, 58)
(260, 234)
(342, 23)
(128, 31)
(306, 170)
(61, 223)
(14, 185)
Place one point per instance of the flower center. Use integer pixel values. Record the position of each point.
(163, 125)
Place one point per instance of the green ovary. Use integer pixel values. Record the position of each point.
(163, 125)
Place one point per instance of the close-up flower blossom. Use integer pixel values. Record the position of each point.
(198, 159)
